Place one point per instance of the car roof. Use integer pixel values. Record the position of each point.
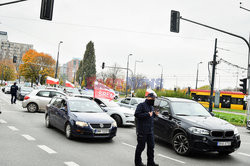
(174, 99)
(73, 98)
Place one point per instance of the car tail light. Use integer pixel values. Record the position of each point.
(26, 97)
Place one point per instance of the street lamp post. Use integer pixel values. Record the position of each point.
(197, 75)
(127, 75)
(161, 74)
(57, 58)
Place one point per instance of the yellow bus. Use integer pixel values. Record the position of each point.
(227, 99)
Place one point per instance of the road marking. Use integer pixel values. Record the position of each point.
(2, 121)
(71, 163)
(13, 128)
(244, 154)
(247, 143)
(28, 137)
(46, 149)
(132, 146)
(179, 161)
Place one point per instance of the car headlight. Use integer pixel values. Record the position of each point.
(81, 124)
(128, 115)
(236, 132)
(114, 124)
(200, 131)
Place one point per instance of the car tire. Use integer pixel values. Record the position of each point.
(47, 121)
(32, 107)
(118, 120)
(68, 131)
(181, 144)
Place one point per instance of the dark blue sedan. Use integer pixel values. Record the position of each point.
(79, 117)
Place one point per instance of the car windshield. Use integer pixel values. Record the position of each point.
(26, 89)
(189, 109)
(86, 106)
(110, 103)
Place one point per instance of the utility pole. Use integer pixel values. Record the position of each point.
(213, 76)
(161, 75)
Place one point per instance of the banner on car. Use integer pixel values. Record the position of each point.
(103, 91)
(69, 84)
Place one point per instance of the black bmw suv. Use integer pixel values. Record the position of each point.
(188, 126)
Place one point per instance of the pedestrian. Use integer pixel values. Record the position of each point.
(145, 115)
(13, 90)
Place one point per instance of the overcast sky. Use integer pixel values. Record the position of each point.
(142, 28)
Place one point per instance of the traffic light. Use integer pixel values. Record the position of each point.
(103, 65)
(47, 9)
(243, 85)
(175, 21)
(14, 58)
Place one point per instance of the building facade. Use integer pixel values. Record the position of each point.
(68, 70)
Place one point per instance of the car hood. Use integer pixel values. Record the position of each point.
(93, 117)
(211, 123)
(120, 109)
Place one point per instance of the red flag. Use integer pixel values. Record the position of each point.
(102, 91)
(69, 84)
(52, 81)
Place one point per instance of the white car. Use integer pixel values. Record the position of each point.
(130, 102)
(39, 98)
(123, 116)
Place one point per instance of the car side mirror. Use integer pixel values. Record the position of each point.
(105, 110)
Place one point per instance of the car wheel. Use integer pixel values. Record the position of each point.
(181, 144)
(32, 107)
(118, 120)
(68, 131)
(47, 121)
(224, 153)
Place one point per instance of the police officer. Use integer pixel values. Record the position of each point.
(144, 115)
(13, 90)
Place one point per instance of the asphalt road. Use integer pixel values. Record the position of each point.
(25, 141)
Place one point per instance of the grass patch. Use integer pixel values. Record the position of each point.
(239, 120)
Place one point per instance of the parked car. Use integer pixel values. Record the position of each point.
(79, 117)
(130, 102)
(39, 98)
(23, 91)
(88, 92)
(71, 91)
(188, 126)
(7, 89)
(123, 116)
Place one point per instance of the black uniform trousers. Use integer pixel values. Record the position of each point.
(13, 100)
(142, 139)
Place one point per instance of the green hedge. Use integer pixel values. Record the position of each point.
(165, 93)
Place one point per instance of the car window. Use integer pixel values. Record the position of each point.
(57, 103)
(134, 102)
(43, 93)
(123, 101)
(52, 94)
(126, 101)
(164, 107)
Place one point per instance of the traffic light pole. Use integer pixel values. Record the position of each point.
(231, 34)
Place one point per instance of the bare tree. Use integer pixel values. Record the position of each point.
(113, 74)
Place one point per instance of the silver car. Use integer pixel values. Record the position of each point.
(130, 102)
(38, 99)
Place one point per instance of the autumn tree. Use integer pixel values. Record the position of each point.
(35, 64)
(7, 70)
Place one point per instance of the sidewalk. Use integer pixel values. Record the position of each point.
(229, 112)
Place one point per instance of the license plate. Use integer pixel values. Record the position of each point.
(223, 143)
(102, 131)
